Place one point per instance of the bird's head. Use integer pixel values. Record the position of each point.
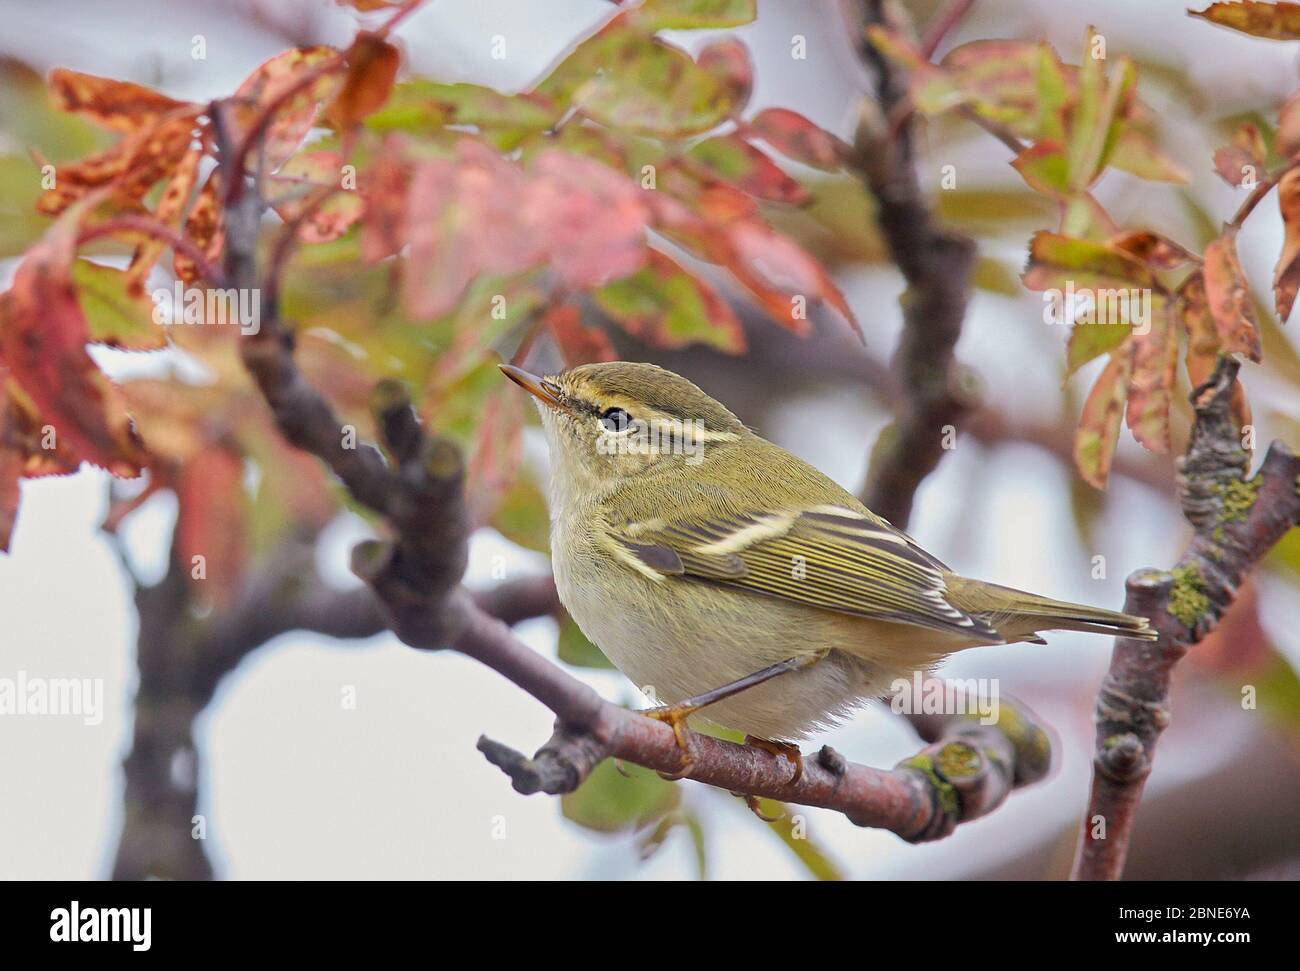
(610, 423)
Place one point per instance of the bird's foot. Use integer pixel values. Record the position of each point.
(791, 753)
(675, 717)
(756, 807)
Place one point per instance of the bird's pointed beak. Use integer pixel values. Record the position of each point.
(535, 386)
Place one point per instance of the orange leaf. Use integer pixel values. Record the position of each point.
(1276, 21)
(203, 227)
(1204, 343)
(372, 69)
(75, 179)
(1229, 297)
(1286, 277)
(170, 208)
(117, 105)
(1158, 252)
(1098, 432)
(1155, 356)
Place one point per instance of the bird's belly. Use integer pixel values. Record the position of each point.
(644, 628)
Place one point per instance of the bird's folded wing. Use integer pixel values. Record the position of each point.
(829, 557)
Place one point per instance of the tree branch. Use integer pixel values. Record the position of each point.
(1237, 520)
(936, 265)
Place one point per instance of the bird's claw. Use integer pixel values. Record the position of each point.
(675, 717)
(790, 752)
(756, 807)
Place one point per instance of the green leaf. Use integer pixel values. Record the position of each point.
(609, 802)
(627, 79)
(1098, 431)
(113, 315)
(1055, 260)
(1044, 168)
(1090, 341)
(575, 649)
(664, 305)
(20, 187)
(420, 105)
(740, 163)
(693, 14)
(522, 517)
(793, 833)
(1137, 154)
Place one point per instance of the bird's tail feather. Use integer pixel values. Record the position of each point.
(1019, 615)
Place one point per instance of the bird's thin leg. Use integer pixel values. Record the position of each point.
(675, 715)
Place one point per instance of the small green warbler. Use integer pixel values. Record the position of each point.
(705, 561)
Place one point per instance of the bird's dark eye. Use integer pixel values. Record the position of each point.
(615, 420)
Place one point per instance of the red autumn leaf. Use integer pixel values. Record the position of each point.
(307, 71)
(578, 343)
(43, 340)
(794, 136)
(1229, 297)
(1242, 162)
(117, 105)
(593, 218)
(203, 228)
(372, 69)
(472, 218)
(732, 158)
(783, 278)
(497, 452)
(384, 193)
(728, 60)
(1286, 276)
(1098, 431)
(212, 523)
